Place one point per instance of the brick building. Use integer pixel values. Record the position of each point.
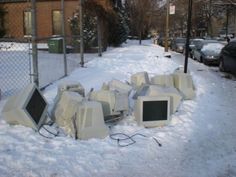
(17, 19)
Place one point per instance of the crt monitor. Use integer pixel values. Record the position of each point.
(152, 111)
(163, 80)
(184, 83)
(28, 108)
(139, 79)
(90, 121)
(113, 102)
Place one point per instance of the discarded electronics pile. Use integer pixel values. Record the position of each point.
(84, 116)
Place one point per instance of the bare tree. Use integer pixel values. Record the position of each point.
(140, 13)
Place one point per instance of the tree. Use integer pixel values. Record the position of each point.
(90, 29)
(208, 10)
(140, 13)
(178, 21)
(112, 16)
(118, 27)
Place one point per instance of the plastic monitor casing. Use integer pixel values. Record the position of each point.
(15, 112)
(66, 108)
(138, 111)
(113, 102)
(90, 121)
(163, 80)
(119, 86)
(139, 79)
(184, 83)
(73, 87)
(157, 90)
(173, 93)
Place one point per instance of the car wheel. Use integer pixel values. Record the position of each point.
(191, 55)
(221, 65)
(204, 61)
(200, 60)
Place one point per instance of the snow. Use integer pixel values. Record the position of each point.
(200, 140)
(213, 47)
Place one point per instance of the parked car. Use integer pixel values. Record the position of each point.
(228, 57)
(178, 45)
(193, 44)
(211, 53)
(199, 55)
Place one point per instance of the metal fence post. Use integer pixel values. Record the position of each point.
(99, 36)
(63, 35)
(167, 25)
(81, 33)
(99, 33)
(34, 43)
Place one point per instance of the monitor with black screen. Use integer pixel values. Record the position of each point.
(28, 108)
(152, 111)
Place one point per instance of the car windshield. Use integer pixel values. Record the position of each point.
(197, 41)
(212, 48)
(180, 40)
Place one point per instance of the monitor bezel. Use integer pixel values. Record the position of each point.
(141, 100)
(43, 117)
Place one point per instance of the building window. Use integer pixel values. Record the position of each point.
(56, 22)
(27, 23)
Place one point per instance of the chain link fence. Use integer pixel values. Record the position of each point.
(40, 42)
(36, 43)
(15, 54)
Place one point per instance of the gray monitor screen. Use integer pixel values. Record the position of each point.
(155, 110)
(36, 106)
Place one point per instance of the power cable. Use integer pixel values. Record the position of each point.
(122, 137)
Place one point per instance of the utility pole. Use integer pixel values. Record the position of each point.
(99, 36)
(227, 20)
(34, 44)
(63, 35)
(188, 35)
(167, 25)
(81, 34)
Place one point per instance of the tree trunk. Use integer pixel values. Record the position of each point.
(140, 37)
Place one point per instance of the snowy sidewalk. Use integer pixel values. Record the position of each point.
(199, 142)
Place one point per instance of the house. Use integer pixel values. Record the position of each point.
(17, 17)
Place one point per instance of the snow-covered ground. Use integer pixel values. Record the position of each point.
(199, 142)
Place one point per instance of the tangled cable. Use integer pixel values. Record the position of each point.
(122, 137)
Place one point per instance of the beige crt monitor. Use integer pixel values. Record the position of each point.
(156, 90)
(90, 121)
(184, 83)
(28, 108)
(66, 108)
(119, 86)
(70, 86)
(113, 102)
(139, 79)
(152, 111)
(173, 93)
(163, 80)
